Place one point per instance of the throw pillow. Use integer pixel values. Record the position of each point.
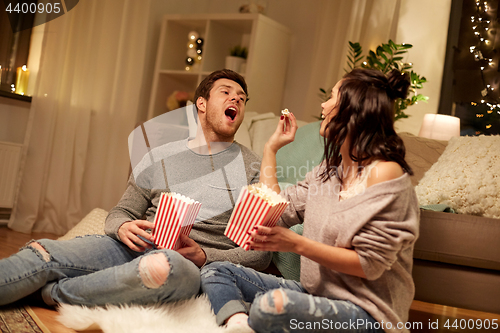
(296, 159)
(288, 263)
(466, 177)
(91, 224)
(421, 154)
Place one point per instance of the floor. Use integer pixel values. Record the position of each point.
(423, 316)
(10, 242)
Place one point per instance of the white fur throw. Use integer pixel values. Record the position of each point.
(466, 177)
(194, 315)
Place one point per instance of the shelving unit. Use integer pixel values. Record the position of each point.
(267, 41)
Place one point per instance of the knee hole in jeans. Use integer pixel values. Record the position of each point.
(277, 306)
(154, 270)
(41, 251)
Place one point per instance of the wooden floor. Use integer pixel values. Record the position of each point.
(423, 316)
(10, 243)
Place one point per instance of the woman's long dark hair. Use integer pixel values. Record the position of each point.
(366, 114)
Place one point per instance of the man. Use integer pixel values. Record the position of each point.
(125, 267)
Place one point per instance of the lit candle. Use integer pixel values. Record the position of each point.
(22, 80)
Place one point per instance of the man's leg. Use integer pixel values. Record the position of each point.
(156, 277)
(44, 261)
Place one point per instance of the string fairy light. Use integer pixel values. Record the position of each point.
(481, 29)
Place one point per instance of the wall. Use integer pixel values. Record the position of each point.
(418, 25)
(424, 24)
(299, 16)
(13, 120)
(305, 19)
(14, 113)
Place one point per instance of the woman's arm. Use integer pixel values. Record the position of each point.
(284, 134)
(283, 240)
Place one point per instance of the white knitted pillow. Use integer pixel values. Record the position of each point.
(91, 224)
(466, 177)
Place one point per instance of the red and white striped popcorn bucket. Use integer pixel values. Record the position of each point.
(262, 207)
(175, 214)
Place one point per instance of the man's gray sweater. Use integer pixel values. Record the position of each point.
(214, 180)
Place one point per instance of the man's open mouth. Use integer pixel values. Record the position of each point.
(231, 112)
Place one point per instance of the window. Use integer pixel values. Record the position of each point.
(471, 80)
(14, 46)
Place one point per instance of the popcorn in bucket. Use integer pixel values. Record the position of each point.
(257, 205)
(176, 214)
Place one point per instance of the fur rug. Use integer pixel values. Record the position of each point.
(191, 316)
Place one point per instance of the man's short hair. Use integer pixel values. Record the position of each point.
(206, 85)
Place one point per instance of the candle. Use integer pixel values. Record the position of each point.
(22, 80)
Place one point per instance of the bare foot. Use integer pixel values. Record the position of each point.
(238, 323)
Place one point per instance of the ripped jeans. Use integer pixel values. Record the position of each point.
(96, 270)
(277, 305)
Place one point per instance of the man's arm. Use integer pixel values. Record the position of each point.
(132, 206)
(258, 260)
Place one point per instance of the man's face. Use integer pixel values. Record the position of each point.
(330, 108)
(224, 110)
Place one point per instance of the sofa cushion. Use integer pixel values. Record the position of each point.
(458, 239)
(421, 154)
(465, 177)
(296, 159)
(288, 263)
(92, 224)
(262, 127)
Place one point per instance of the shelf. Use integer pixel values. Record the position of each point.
(188, 73)
(23, 98)
(174, 46)
(267, 42)
(179, 72)
(170, 82)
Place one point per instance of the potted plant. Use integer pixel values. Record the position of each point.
(386, 58)
(236, 58)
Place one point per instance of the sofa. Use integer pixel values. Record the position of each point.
(456, 257)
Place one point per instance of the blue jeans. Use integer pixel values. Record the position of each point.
(96, 270)
(278, 305)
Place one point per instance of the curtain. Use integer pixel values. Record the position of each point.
(369, 22)
(84, 106)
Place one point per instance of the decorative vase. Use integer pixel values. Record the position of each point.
(234, 63)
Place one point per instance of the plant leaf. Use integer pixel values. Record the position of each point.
(387, 48)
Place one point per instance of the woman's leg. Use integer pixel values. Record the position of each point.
(231, 288)
(43, 261)
(158, 276)
(283, 310)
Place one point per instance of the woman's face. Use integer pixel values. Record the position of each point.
(330, 108)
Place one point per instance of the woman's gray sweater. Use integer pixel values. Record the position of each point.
(381, 225)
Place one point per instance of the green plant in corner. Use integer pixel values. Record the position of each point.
(385, 58)
(239, 51)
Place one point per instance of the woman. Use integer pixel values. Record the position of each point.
(360, 216)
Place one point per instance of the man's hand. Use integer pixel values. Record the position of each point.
(129, 231)
(192, 251)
